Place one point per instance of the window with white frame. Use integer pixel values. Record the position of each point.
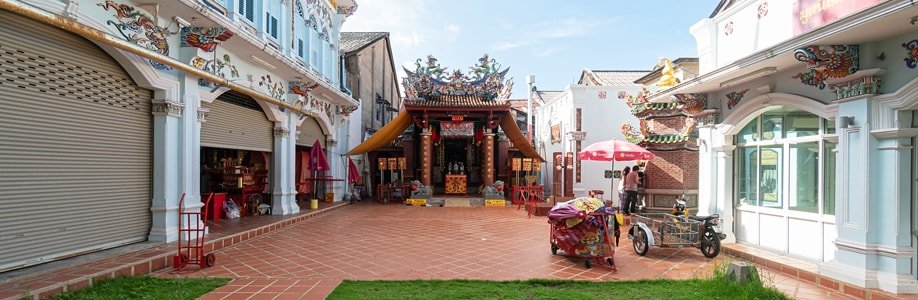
(246, 8)
(782, 156)
(272, 19)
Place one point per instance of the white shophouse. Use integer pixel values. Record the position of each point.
(812, 155)
(115, 109)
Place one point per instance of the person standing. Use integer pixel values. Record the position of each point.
(631, 189)
(622, 196)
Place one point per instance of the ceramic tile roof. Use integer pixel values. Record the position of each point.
(352, 41)
(667, 139)
(548, 96)
(457, 101)
(617, 77)
(521, 105)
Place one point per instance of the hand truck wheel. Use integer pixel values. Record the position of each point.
(587, 264)
(554, 249)
(179, 261)
(209, 260)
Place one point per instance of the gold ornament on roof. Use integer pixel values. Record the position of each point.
(668, 75)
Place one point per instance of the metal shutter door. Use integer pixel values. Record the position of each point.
(309, 133)
(75, 134)
(232, 126)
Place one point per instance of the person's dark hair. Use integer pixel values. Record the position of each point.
(635, 168)
(626, 170)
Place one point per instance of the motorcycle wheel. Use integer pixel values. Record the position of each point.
(640, 242)
(710, 244)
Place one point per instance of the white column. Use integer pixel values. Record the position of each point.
(166, 182)
(283, 167)
(724, 190)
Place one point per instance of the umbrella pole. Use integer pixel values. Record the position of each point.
(612, 185)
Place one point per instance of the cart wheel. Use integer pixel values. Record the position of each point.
(209, 260)
(612, 264)
(179, 261)
(587, 264)
(640, 242)
(710, 244)
(554, 249)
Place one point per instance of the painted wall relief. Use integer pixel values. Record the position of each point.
(824, 62)
(911, 59)
(302, 87)
(139, 29)
(218, 66)
(733, 98)
(204, 38)
(273, 89)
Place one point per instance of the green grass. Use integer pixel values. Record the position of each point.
(145, 287)
(718, 287)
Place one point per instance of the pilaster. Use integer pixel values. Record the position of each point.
(166, 171)
(724, 191)
(426, 156)
(283, 194)
(488, 168)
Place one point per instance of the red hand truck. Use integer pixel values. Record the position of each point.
(191, 237)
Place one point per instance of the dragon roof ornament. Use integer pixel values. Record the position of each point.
(485, 80)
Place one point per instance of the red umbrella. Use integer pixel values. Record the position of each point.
(317, 161)
(353, 176)
(614, 150)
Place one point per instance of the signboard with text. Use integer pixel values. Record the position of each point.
(812, 14)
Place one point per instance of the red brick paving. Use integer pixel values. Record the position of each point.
(394, 242)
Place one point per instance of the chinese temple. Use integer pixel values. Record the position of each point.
(455, 132)
(669, 130)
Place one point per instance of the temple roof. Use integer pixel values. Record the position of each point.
(466, 101)
(354, 41)
(485, 81)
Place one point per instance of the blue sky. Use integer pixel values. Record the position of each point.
(553, 40)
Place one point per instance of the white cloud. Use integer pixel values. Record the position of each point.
(508, 45)
(546, 51)
(402, 19)
(545, 33)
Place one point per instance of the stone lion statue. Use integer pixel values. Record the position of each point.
(494, 191)
(419, 190)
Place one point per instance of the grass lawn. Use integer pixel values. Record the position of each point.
(717, 288)
(145, 287)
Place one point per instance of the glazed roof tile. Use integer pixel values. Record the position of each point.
(457, 101)
(618, 77)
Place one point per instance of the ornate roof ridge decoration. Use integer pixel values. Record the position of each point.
(824, 62)
(485, 80)
(204, 38)
(637, 102)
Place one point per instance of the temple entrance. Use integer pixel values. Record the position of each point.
(460, 170)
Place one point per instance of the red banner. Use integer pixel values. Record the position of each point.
(812, 14)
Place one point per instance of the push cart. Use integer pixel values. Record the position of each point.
(591, 238)
(666, 230)
(191, 237)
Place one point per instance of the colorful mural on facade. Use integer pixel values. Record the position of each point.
(204, 38)
(273, 89)
(691, 103)
(911, 59)
(302, 87)
(485, 80)
(824, 62)
(140, 29)
(733, 98)
(219, 66)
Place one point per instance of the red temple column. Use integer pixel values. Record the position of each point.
(488, 168)
(426, 156)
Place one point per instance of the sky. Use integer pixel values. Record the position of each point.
(552, 40)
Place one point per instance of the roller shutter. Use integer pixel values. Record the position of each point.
(309, 133)
(75, 147)
(235, 121)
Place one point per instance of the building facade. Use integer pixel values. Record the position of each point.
(371, 77)
(576, 117)
(811, 154)
(118, 110)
